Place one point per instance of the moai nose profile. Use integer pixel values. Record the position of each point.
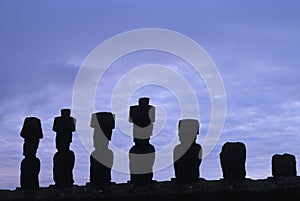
(187, 156)
(233, 158)
(101, 159)
(284, 165)
(142, 154)
(30, 165)
(64, 158)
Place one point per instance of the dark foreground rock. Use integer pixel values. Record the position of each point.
(264, 190)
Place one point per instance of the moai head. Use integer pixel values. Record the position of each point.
(64, 123)
(188, 129)
(103, 124)
(32, 128)
(142, 116)
(144, 102)
(65, 112)
(32, 133)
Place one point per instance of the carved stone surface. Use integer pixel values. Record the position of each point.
(101, 160)
(30, 165)
(233, 158)
(187, 156)
(284, 165)
(142, 154)
(64, 158)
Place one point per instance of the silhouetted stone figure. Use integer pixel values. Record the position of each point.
(142, 154)
(30, 165)
(233, 158)
(64, 158)
(187, 155)
(284, 165)
(102, 158)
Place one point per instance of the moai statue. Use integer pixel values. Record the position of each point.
(284, 165)
(64, 158)
(187, 156)
(142, 154)
(101, 160)
(30, 165)
(233, 159)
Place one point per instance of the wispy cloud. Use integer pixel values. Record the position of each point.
(254, 45)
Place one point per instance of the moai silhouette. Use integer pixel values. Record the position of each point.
(187, 156)
(30, 165)
(284, 165)
(64, 158)
(233, 159)
(142, 154)
(101, 160)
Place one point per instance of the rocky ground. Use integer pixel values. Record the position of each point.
(264, 189)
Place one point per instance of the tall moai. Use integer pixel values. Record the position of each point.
(187, 156)
(30, 165)
(142, 154)
(101, 159)
(284, 165)
(64, 158)
(233, 159)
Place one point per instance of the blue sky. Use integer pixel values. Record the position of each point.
(254, 44)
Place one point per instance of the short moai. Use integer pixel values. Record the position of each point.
(64, 158)
(101, 159)
(142, 154)
(30, 165)
(284, 165)
(233, 159)
(187, 156)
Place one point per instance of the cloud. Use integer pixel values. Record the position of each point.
(254, 45)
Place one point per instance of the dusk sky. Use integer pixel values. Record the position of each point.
(255, 46)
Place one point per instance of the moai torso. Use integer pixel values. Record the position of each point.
(284, 165)
(187, 156)
(63, 168)
(101, 159)
(142, 154)
(233, 158)
(30, 165)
